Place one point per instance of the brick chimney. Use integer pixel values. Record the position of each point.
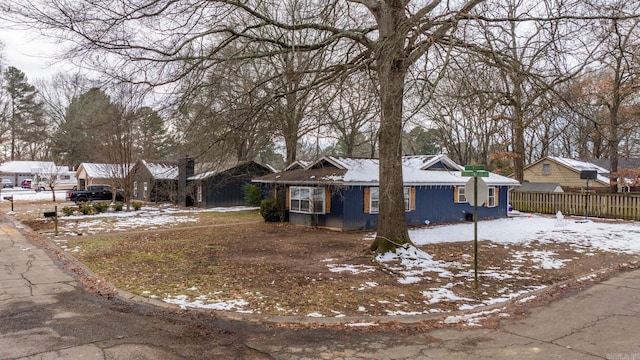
(186, 169)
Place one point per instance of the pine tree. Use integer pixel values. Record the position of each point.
(25, 115)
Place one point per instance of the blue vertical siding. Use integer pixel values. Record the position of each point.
(433, 203)
(436, 204)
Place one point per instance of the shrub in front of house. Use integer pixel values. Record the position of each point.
(67, 211)
(101, 207)
(269, 210)
(117, 206)
(85, 208)
(252, 194)
(137, 205)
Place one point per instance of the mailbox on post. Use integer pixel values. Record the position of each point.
(10, 198)
(54, 215)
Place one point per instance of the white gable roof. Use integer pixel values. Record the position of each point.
(583, 165)
(415, 171)
(26, 167)
(102, 171)
(298, 164)
(162, 171)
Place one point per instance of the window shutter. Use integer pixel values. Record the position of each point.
(496, 202)
(412, 199)
(455, 194)
(287, 191)
(327, 200)
(367, 200)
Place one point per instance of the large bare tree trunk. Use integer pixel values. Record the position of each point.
(518, 146)
(392, 69)
(614, 140)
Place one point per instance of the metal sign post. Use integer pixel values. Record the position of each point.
(480, 192)
(587, 175)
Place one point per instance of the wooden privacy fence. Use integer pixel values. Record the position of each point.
(614, 206)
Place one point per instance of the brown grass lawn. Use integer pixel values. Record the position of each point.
(235, 258)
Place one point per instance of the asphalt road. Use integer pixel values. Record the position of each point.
(46, 313)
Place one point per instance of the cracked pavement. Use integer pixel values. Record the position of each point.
(46, 314)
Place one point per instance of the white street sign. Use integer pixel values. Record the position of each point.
(483, 191)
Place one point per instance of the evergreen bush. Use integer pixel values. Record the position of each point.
(252, 194)
(101, 207)
(85, 208)
(269, 210)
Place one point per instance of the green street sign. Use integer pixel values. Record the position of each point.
(473, 167)
(475, 173)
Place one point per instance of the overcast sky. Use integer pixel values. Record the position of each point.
(29, 52)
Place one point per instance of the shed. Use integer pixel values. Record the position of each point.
(224, 185)
(528, 186)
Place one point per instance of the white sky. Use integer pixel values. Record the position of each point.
(30, 52)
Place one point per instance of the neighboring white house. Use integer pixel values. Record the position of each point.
(96, 173)
(17, 171)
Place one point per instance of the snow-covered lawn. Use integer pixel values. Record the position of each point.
(416, 266)
(585, 236)
(413, 265)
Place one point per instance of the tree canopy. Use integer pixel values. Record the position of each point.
(499, 67)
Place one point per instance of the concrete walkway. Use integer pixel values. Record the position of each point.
(46, 314)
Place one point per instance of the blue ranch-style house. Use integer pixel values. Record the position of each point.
(342, 193)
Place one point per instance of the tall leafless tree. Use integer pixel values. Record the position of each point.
(615, 88)
(159, 41)
(532, 59)
(351, 109)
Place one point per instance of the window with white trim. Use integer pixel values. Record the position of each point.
(374, 199)
(407, 199)
(460, 193)
(199, 193)
(144, 190)
(491, 199)
(307, 200)
(135, 189)
(546, 169)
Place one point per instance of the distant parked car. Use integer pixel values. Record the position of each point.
(6, 183)
(26, 184)
(94, 193)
